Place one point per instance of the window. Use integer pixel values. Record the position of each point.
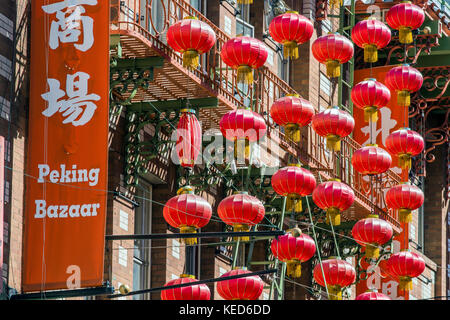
(325, 84)
(158, 15)
(142, 251)
(5, 67)
(196, 4)
(7, 192)
(326, 26)
(244, 29)
(6, 26)
(227, 25)
(5, 108)
(412, 232)
(270, 56)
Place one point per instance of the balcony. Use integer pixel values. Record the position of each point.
(142, 35)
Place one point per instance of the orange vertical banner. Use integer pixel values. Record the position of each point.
(66, 178)
(390, 118)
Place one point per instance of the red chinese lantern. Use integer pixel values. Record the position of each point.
(333, 124)
(241, 211)
(334, 197)
(371, 160)
(405, 265)
(405, 198)
(293, 182)
(243, 126)
(371, 35)
(338, 274)
(291, 29)
(292, 112)
(370, 95)
(293, 248)
(189, 138)
(371, 233)
(404, 143)
(405, 17)
(372, 295)
(187, 212)
(192, 38)
(404, 80)
(332, 50)
(246, 288)
(244, 54)
(194, 292)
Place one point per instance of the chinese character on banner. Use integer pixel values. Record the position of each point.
(72, 108)
(70, 24)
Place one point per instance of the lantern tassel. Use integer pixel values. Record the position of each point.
(242, 145)
(294, 268)
(405, 283)
(333, 216)
(405, 35)
(372, 251)
(241, 228)
(333, 142)
(244, 1)
(189, 229)
(191, 59)
(290, 50)
(404, 161)
(335, 3)
(405, 215)
(292, 131)
(370, 53)
(245, 74)
(294, 202)
(334, 292)
(371, 114)
(403, 98)
(333, 68)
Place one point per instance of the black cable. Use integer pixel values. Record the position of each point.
(257, 273)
